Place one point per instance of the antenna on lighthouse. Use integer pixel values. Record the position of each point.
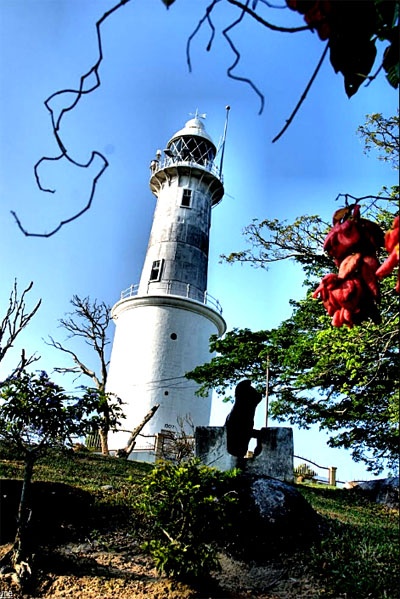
(224, 139)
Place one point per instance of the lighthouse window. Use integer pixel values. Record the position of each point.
(155, 274)
(186, 198)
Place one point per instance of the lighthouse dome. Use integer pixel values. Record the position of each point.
(194, 127)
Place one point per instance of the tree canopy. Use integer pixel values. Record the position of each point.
(344, 379)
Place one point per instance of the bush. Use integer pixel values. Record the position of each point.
(186, 507)
(304, 472)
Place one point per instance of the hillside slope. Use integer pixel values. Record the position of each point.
(91, 546)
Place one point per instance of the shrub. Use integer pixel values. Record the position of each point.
(186, 508)
(304, 472)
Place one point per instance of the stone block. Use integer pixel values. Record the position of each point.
(274, 461)
(276, 457)
(210, 447)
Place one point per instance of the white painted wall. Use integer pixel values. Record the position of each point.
(148, 366)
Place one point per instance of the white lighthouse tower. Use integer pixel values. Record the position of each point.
(164, 323)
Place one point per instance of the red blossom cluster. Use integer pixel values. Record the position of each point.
(392, 240)
(316, 14)
(351, 296)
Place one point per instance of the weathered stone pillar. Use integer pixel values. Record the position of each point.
(210, 447)
(275, 459)
(332, 475)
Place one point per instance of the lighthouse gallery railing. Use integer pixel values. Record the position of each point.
(207, 165)
(175, 288)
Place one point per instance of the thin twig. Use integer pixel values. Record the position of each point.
(237, 59)
(56, 124)
(304, 95)
(207, 18)
(75, 216)
(245, 8)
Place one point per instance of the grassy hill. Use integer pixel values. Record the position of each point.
(90, 539)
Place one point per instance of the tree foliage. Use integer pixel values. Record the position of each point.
(382, 135)
(186, 508)
(346, 380)
(35, 414)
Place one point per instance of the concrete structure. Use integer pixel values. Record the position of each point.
(163, 325)
(275, 459)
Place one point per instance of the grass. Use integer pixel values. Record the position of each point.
(357, 558)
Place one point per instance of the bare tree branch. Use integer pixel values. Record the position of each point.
(80, 367)
(85, 87)
(89, 321)
(245, 8)
(24, 362)
(207, 18)
(304, 94)
(127, 450)
(14, 322)
(237, 59)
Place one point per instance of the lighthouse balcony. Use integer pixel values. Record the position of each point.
(203, 164)
(177, 289)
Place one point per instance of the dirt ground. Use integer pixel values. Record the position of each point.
(94, 571)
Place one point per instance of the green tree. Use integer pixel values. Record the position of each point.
(382, 135)
(345, 380)
(36, 414)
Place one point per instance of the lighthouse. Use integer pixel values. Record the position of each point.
(164, 323)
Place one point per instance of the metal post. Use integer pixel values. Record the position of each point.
(224, 139)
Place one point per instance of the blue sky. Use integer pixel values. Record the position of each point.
(146, 94)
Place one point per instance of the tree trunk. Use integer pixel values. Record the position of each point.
(127, 450)
(104, 440)
(21, 548)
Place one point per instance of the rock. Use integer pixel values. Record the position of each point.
(382, 490)
(272, 516)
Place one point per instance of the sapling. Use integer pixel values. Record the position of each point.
(35, 415)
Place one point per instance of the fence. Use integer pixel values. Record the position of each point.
(166, 445)
(330, 470)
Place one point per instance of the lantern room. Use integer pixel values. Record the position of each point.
(192, 144)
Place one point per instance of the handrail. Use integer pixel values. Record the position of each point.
(175, 288)
(207, 165)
